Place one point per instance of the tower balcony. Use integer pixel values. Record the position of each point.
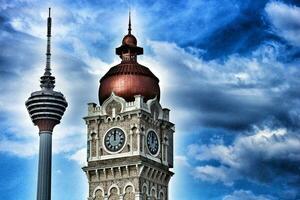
(46, 108)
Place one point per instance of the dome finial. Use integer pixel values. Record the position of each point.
(129, 23)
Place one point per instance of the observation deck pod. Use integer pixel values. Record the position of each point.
(46, 108)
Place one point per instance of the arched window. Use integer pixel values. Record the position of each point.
(153, 194)
(161, 195)
(129, 194)
(99, 195)
(144, 192)
(113, 194)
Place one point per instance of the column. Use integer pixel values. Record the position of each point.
(131, 141)
(44, 173)
(138, 140)
(142, 141)
(138, 196)
(97, 146)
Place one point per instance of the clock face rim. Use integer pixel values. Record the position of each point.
(104, 144)
(158, 140)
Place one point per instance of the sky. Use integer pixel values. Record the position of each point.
(229, 72)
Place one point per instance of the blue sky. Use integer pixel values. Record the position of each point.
(229, 72)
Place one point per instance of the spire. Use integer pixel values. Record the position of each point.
(47, 81)
(48, 53)
(129, 23)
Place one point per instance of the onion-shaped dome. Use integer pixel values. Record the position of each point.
(129, 78)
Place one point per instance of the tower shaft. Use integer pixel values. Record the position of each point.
(45, 163)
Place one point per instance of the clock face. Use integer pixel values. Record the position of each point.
(152, 142)
(114, 139)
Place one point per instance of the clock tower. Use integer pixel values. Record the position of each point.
(129, 135)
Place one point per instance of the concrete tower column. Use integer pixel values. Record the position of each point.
(45, 164)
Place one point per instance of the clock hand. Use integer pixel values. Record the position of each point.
(152, 139)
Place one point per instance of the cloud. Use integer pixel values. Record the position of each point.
(221, 71)
(181, 161)
(20, 76)
(79, 157)
(74, 63)
(243, 33)
(213, 174)
(235, 93)
(265, 157)
(228, 93)
(246, 195)
(17, 148)
(285, 21)
(20, 131)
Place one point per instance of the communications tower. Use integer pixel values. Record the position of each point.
(46, 108)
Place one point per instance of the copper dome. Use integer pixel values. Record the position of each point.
(129, 78)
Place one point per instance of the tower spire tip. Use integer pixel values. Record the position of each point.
(47, 80)
(129, 23)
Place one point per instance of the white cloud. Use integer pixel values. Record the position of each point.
(244, 78)
(245, 83)
(236, 69)
(213, 174)
(85, 69)
(79, 157)
(246, 195)
(234, 93)
(285, 19)
(261, 152)
(181, 160)
(20, 149)
(67, 136)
